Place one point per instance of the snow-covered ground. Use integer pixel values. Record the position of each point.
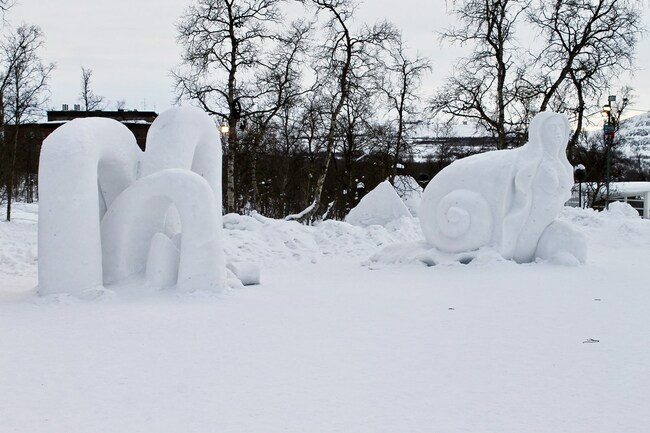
(334, 342)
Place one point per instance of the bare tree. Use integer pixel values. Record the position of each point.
(345, 57)
(5, 5)
(223, 45)
(483, 86)
(23, 91)
(400, 85)
(603, 157)
(586, 43)
(279, 87)
(90, 100)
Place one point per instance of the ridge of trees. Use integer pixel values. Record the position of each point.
(350, 94)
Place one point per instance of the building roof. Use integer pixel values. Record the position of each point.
(124, 116)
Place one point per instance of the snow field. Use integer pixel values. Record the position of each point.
(326, 344)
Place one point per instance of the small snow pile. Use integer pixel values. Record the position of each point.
(562, 244)
(622, 209)
(380, 206)
(409, 191)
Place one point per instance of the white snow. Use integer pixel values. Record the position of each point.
(504, 199)
(380, 206)
(326, 344)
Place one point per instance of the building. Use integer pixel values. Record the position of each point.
(138, 122)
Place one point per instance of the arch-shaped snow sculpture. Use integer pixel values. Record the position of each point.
(138, 214)
(84, 165)
(109, 212)
(185, 137)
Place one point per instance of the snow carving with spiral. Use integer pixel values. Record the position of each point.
(508, 200)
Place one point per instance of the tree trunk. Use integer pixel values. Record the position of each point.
(230, 179)
(12, 171)
(320, 183)
(254, 189)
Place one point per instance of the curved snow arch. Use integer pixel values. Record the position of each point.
(185, 137)
(84, 165)
(139, 213)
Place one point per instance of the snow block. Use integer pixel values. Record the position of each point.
(502, 198)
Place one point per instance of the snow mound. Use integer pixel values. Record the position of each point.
(380, 206)
(622, 209)
(562, 244)
(409, 191)
(267, 242)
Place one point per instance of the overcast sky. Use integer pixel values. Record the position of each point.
(130, 45)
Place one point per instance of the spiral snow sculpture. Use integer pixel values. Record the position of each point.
(109, 213)
(505, 198)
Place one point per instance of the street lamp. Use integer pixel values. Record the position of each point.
(580, 173)
(224, 128)
(608, 135)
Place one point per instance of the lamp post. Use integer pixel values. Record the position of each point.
(609, 130)
(580, 174)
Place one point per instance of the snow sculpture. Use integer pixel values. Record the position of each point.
(110, 213)
(139, 213)
(83, 166)
(380, 206)
(502, 198)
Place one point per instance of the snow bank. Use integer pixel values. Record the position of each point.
(101, 214)
(380, 206)
(268, 242)
(504, 199)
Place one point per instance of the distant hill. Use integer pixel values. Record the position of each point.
(634, 134)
